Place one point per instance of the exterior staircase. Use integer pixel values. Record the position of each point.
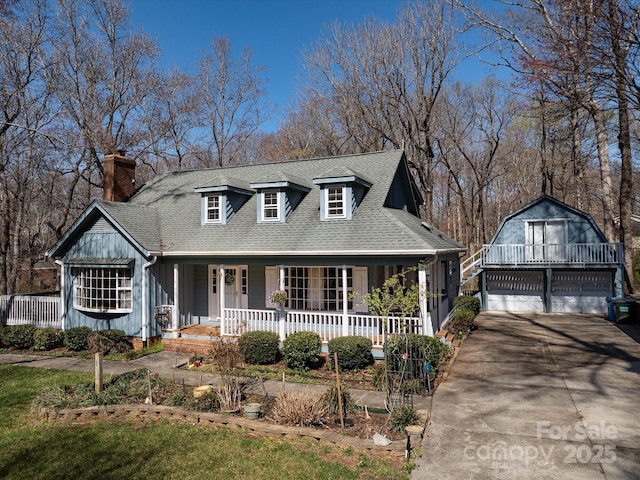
(471, 267)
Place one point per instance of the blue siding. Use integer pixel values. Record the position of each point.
(579, 228)
(200, 293)
(105, 245)
(257, 287)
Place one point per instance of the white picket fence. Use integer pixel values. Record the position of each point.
(30, 310)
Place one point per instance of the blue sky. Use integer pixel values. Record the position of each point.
(275, 30)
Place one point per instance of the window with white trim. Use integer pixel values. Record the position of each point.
(270, 206)
(317, 288)
(105, 290)
(335, 202)
(213, 214)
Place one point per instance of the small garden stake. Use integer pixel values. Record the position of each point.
(335, 359)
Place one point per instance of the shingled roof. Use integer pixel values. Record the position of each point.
(164, 217)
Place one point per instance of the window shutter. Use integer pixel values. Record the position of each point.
(270, 283)
(360, 288)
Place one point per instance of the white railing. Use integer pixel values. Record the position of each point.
(239, 321)
(30, 310)
(549, 254)
(328, 325)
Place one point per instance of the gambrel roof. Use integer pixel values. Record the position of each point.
(164, 216)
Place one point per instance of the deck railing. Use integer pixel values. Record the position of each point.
(30, 310)
(553, 254)
(328, 325)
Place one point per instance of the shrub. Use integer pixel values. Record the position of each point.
(354, 352)
(2, 331)
(461, 323)
(223, 353)
(259, 348)
(467, 302)
(77, 338)
(19, 336)
(301, 350)
(47, 338)
(423, 348)
(108, 342)
(297, 408)
(207, 402)
(331, 405)
(403, 417)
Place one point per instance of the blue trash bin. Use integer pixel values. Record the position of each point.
(611, 309)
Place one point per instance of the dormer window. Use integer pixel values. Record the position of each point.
(222, 199)
(341, 191)
(270, 207)
(279, 197)
(213, 209)
(335, 207)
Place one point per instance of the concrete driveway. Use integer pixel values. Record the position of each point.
(536, 396)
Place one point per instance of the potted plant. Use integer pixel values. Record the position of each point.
(279, 298)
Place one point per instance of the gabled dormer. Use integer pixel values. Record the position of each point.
(222, 199)
(341, 191)
(278, 197)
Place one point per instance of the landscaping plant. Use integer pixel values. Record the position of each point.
(20, 336)
(301, 350)
(467, 302)
(47, 338)
(354, 352)
(77, 338)
(404, 416)
(259, 347)
(331, 404)
(297, 408)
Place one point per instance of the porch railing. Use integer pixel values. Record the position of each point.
(328, 325)
(549, 254)
(30, 310)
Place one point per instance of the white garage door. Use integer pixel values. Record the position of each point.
(581, 292)
(515, 291)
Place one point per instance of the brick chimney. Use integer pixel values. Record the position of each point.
(119, 177)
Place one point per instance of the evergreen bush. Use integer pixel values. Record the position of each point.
(301, 350)
(19, 336)
(354, 352)
(467, 302)
(77, 338)
(259, 347)
(461, 323)
(47, 338)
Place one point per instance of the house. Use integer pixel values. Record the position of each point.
(547, 257)
(209, 246)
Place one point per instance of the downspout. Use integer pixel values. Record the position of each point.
(145, 294)
(63, 302)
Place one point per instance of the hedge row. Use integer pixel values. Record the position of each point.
(29, 337)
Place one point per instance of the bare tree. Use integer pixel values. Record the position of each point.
(101, 76)
(234, 102)
(474, 122)
(385, 80)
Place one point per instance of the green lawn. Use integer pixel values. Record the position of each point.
(31, 448)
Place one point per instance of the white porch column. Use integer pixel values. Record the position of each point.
(222, 285)
(345, 303)
(281, 313)
(427, 326)
(175, 318)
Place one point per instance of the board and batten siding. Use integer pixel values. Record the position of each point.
(103, 242)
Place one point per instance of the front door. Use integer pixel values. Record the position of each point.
(236, 286)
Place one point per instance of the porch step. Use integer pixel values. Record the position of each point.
(194, 346)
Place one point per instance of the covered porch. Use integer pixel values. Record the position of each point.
(328, 300)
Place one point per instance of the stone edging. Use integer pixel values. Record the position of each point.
(258, 428)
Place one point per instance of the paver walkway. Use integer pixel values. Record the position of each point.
(538, 397)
